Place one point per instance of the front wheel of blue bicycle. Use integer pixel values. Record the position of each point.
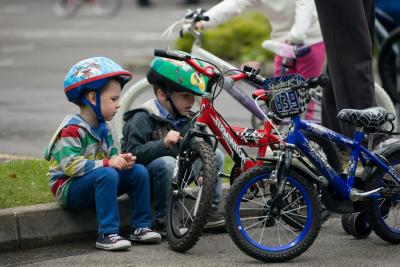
(384, 213)
(260, 228)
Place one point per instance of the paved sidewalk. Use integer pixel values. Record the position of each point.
(45, 224)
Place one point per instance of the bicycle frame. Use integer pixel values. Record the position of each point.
(343, 187)
(235, 91)
(233, 138)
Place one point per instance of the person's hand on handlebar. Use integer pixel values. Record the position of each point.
(199, 26)
(172, 138)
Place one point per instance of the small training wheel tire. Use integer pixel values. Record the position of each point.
(346, 222)
(359, 226)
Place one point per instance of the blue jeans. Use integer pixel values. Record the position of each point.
(100, 189)
(161, 171)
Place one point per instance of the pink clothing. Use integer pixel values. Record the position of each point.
(308, 66)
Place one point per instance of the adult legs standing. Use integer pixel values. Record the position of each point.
(348, 43)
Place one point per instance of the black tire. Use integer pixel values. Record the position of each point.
(384, 212)
(389, 65)
(106, 8)
(345, 220)
(66, 8)
(249, 212)
(191, 198)
(358, 225)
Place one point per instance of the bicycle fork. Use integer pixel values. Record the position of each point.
(282, 168)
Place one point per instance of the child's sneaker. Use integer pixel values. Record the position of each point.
(161, 228)
(145, 235)
(215, 221)
(112, 242)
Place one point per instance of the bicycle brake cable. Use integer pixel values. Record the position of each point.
(267, 118)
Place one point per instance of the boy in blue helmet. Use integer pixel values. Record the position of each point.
(152, 132)
(85, 168)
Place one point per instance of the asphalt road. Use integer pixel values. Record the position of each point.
(37, 49)
(332, 248)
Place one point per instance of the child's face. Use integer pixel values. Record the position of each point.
(183, 102)
(110, 99)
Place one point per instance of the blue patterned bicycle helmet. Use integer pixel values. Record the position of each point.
(93, 74)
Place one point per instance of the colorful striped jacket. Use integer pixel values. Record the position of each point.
(75, 150)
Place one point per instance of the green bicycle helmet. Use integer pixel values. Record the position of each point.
(173, 75)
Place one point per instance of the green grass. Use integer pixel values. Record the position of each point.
(228, 166)
(23, 183)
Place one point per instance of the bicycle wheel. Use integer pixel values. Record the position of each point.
(389, 65)
(384, 213)
(383, 100)
(193, 189)
(133, 97)
(66, 8)
(106, 8)
(257, 227)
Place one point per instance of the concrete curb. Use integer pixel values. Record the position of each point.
(45, 224)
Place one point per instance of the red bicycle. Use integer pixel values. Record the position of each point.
(195, 172)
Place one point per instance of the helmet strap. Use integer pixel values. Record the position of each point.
(99, 116)
(174, 109)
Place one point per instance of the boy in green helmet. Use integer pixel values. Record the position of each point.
(152, 131)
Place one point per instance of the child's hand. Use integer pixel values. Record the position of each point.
(130, 159)
(118, 162)
(172, 138)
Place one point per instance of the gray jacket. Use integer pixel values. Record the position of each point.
(144, 132)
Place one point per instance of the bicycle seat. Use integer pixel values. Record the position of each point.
(369, 118)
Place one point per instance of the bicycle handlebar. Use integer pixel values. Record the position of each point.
(313, 82)
(171, 54)
(197, 15)
(209, 70)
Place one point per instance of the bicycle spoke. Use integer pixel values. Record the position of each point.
(287, 228)
(259, 189)
(185, 209)
(255, 202)
(252, 225)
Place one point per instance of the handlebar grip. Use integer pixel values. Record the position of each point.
(259, 80)
(170, 54)
(321, 80)
(204, 18)
(324, 80)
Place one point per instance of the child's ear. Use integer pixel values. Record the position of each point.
(161, 94)
(91, 96)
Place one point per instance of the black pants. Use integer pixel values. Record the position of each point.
(347, 29)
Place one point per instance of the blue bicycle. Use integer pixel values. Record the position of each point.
(272, 211)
